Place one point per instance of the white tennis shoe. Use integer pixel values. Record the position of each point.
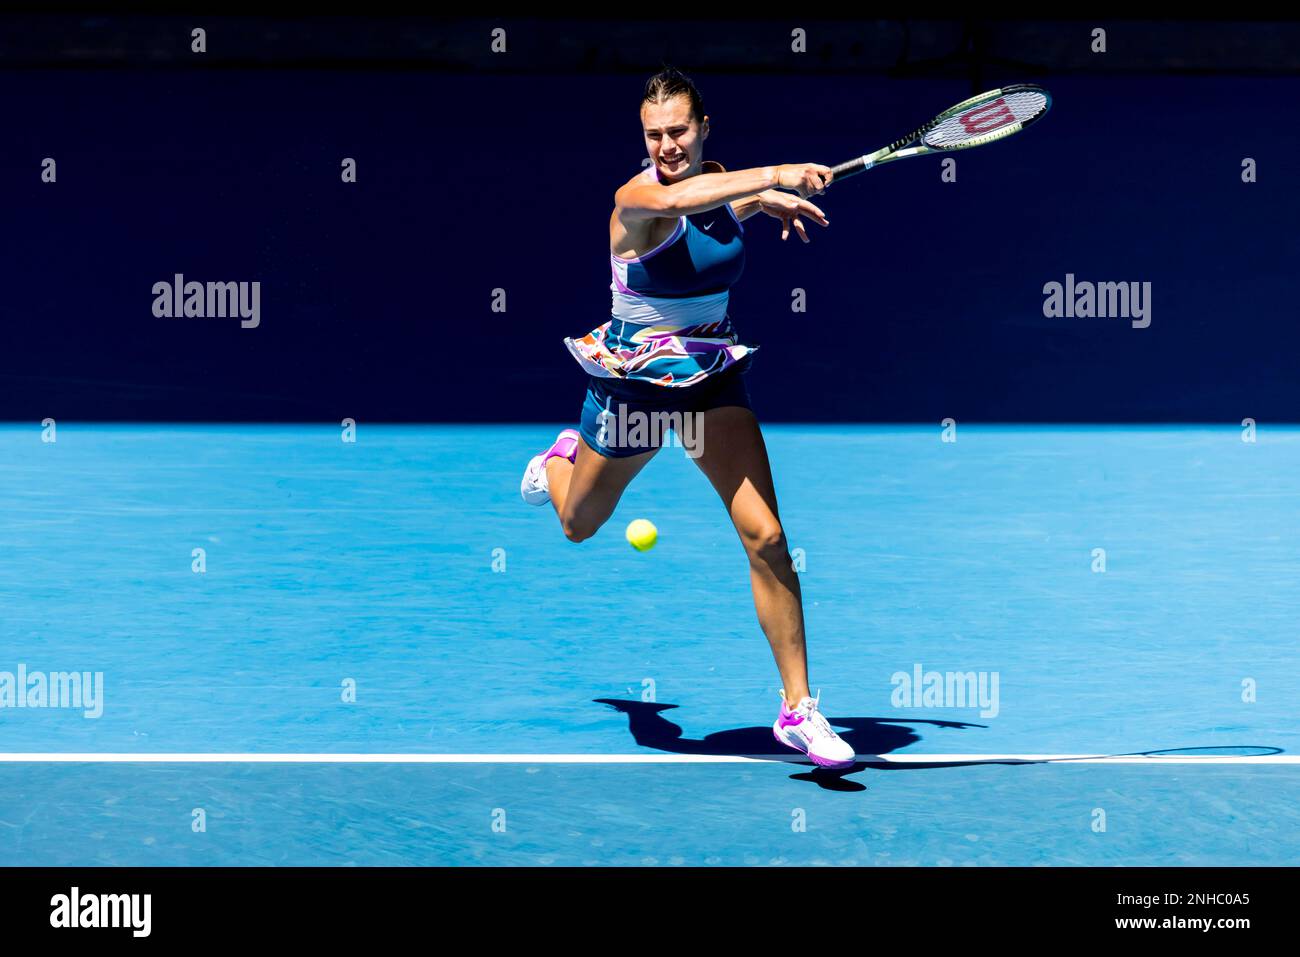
(806, 729)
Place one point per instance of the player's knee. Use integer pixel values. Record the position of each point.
(766, 543)
(578, 529)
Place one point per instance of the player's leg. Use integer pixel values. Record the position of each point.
(584, 473)
(734, 458)
(586, 491)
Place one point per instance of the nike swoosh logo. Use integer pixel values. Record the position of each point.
(710, 226)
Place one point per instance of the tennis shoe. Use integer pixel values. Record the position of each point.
(806, 729)
(535, 487)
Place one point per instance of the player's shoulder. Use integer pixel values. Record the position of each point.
(641, 178)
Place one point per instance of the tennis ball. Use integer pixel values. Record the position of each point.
(642, 534)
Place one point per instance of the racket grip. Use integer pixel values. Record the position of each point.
(859, 165)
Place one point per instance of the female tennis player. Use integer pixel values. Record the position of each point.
(670, 353)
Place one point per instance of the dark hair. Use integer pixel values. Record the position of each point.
(670, 82)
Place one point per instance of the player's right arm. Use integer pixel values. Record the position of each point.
(641, 199)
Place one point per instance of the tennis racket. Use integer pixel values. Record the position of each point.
(986, 118)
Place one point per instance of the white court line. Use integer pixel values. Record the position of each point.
(93, 757)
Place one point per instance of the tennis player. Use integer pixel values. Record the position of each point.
(676, 248)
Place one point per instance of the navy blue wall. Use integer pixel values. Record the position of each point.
(924, 298)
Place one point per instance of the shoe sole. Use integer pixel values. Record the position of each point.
(815, 759)
(539, 497)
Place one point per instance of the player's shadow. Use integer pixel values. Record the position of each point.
(869, 738)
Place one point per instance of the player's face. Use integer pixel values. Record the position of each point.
(673, 138)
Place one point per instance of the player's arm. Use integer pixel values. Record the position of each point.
(640, 199)
(776, 204)
(744, 207)
(747, 207)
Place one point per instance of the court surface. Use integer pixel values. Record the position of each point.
(519, 699)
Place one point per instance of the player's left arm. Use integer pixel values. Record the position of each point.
(772, 201)
(743, 208)
(747, 207)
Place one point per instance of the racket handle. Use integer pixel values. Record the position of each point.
(859, 165)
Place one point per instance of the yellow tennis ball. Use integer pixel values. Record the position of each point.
(642, 534)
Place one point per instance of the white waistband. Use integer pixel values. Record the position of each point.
(655, 310)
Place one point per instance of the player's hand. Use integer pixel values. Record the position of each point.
(790, 210)
(807, 179)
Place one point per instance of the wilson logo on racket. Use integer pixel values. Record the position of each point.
(987, 118)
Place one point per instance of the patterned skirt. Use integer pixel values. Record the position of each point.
(666, 355)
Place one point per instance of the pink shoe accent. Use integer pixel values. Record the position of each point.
(789, 717)
(566, 444)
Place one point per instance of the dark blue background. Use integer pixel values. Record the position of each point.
(925, 298)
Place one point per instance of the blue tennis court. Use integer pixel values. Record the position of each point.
(382, 656)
